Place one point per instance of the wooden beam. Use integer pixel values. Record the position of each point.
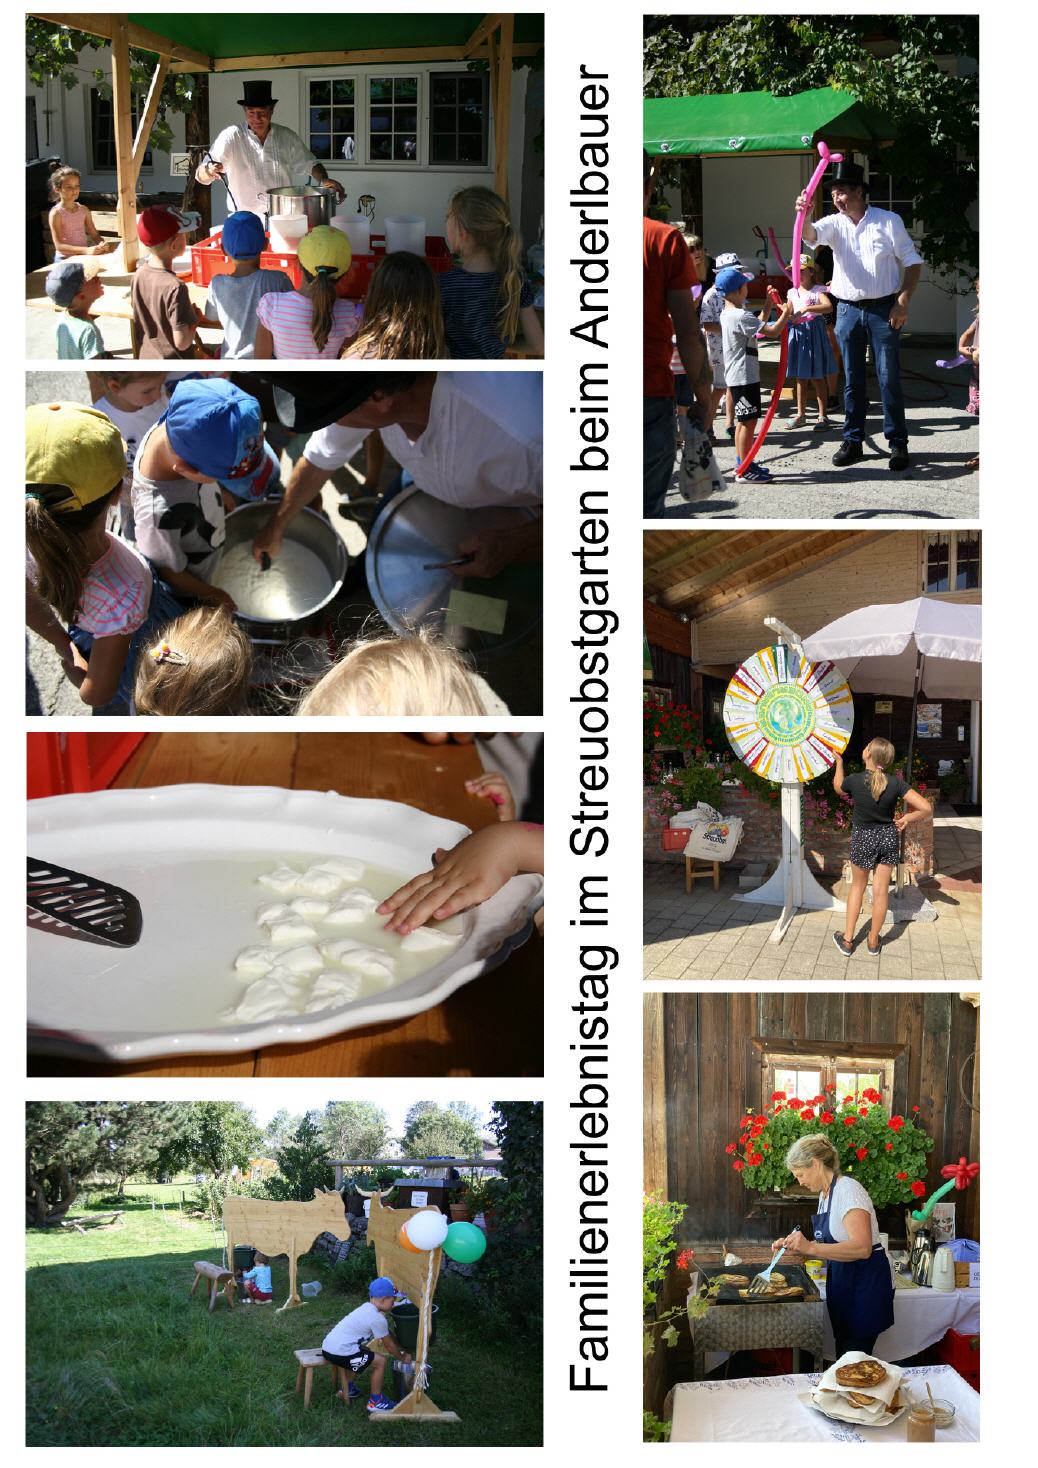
(504, 106)
(136, 35)
(691, 545)
(126, 178)
(713, 607)
(377, 55)
(151, 107)
(483, 32)
(779, 542)
(492, 47)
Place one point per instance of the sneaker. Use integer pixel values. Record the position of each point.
(873, 952)
(848, 453)
(898, 457)
(757, 474)
(380, 1403)
(841, 942)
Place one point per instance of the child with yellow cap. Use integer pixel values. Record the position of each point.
(91, 595)
(312, 322)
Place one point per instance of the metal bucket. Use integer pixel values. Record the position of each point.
(317, 204)
(309, 529)
(403, 1376)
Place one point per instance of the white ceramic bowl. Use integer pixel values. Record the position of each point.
(190, 854)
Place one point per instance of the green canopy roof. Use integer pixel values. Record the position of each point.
(264, 33)
(757, 122)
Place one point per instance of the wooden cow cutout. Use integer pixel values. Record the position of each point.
(415, 1276)
(283, 1228)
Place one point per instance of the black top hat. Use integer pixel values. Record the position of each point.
(306, 401)
(848, 173)
(256, 94)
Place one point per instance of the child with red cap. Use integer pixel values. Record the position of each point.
(165, 320)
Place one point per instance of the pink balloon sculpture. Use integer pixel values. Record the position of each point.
(825, 159)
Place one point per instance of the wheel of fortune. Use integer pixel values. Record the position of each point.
(788, 718)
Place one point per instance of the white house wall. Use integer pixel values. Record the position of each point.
(741, 192)
(417, 188)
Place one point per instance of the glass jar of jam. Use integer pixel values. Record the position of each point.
(921, 1425)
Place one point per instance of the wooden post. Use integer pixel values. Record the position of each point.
(504, 106)
(126, 178)
(151, 107)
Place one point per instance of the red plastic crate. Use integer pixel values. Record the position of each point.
(961, 1352)
(209, 260)
(69, 764)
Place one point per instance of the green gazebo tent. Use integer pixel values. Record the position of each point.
(757, 122)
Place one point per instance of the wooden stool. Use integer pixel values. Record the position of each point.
(309, 1361)
(221, 1282)
(693, 873)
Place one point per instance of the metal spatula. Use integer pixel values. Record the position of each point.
(78, 906)
(760, 1282)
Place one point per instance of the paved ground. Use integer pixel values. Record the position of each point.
(936, 484)
(707, 935)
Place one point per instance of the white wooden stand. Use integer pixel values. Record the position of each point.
(791, 886)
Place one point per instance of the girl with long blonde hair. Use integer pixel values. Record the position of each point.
(487, 299)
(875, 835)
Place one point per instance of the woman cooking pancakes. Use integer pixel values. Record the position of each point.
(859, 1287)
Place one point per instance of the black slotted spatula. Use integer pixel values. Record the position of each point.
(78, 906)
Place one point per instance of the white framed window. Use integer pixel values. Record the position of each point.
(459, 132)
(332, 118)
(813, 1069)
(102, 131)
(951, 561)
(392, 122)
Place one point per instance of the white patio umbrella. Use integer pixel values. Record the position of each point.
(904, 648)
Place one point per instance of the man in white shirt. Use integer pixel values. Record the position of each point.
(467, 438)
(876, 269)
(257, 155)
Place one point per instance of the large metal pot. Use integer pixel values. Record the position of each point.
(309, 529)
(318, 205)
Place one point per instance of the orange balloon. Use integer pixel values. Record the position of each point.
(405, 1242)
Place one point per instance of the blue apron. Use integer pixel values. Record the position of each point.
(859, 1293)
(162, 609)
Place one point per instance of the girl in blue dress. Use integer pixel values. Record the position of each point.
(811, 358)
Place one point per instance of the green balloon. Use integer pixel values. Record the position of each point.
(465, 1243)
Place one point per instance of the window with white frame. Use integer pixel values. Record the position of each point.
(459, 117)
(812, 1072)
(951, 561)
(102, 131)
(332, 118)
(392, 119)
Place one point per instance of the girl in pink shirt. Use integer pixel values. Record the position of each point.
(312, 322)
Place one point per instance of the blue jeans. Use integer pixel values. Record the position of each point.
(659, 448)
(858, 324)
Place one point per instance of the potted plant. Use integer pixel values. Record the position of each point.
(886, 1154)
(484, 1196)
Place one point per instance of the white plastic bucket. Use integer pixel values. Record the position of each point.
(286, 230)
(405, 232)
(357, 229)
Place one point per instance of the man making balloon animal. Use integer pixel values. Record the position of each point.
(876, 269)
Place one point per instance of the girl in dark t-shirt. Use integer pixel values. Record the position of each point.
(875, 836)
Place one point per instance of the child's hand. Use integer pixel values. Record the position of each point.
(495, 788)
(471, 872)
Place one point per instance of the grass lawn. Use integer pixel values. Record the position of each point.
(118, 1355)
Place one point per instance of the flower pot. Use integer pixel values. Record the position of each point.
(461, 1213)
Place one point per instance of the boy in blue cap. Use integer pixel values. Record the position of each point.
(233, 298)
(73, 286)
(347, 1344)
(204, 453)
(739, 332)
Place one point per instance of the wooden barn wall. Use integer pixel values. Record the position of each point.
(701, 1046)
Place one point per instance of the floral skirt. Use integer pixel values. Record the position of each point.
(873, 846)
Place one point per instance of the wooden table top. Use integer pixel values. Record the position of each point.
(493, 1026)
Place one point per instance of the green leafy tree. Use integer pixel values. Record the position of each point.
(302, 1163)
(53, 53)
(355, 1129)
(437, 1131)
(216, 1136)
(62, 1141)
(512, 1269)
(933, 110)
(135, 1136)
(280, 1129)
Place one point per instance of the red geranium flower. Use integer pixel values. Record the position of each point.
(738, 1164)
(902, 1177)
(915, 1108)
(685, 1258)
(744, 1139)
(918, 1189)
(807, 1114)
(760, 1121)
(730, 1148)
(863, 1111)
(755, 1131)
(831, 1086)
(795, 1103)
(896, 1123)
(888, 1146)
(848, 1100)
(765, 1146)
(826, 1117)
(863, 1152)
(755, 1159)
(849, 1120)
(778, 1095)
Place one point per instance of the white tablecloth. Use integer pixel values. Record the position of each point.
(921, 1317)
(765, 1409)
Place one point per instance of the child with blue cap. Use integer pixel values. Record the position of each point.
(347, 1344)
(739, 332)
(233, 298)
(206, 452)
(73, 286)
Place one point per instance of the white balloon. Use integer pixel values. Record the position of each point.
(426, 1230)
